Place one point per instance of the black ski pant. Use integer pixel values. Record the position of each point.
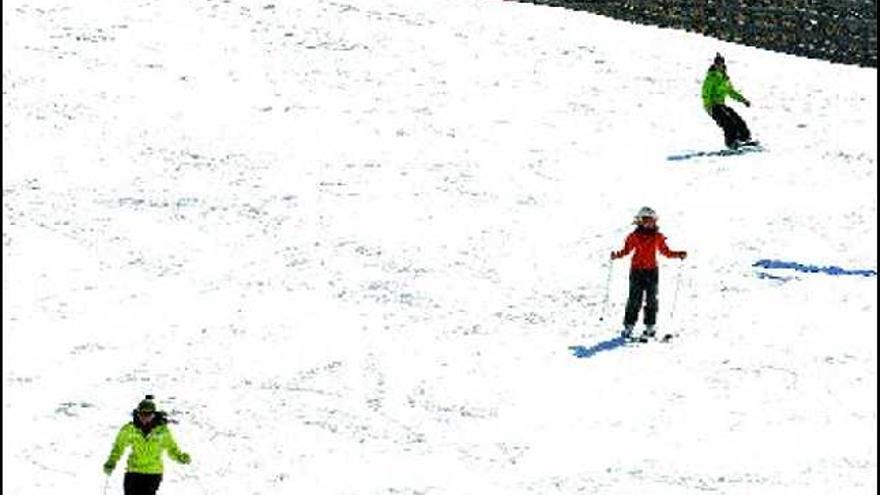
(735, 128)
(642, 283)
(141, 484)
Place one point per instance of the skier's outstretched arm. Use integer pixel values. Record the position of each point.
(736, 95)
(628, 246)
(116, 452)
(174, 451)
(665, 251)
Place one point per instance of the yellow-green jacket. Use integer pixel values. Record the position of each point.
(146, 449)
(716, 87)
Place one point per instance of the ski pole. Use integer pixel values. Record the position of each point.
(675, 295)
(106, 483)
(201, 485)
(607, 291)
(198, 482)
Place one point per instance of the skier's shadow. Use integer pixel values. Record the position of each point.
(581, 351)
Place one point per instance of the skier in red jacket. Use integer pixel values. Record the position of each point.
(645, 240)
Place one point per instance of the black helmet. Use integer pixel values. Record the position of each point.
(147, 405)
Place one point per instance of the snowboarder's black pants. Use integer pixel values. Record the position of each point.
(141, 484)
(642, 282)
(735, 128)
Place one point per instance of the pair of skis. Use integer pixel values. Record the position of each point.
(644, 339)
(582, 351)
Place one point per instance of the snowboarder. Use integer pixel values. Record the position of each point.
(716, 87)
(149, 436)
(645, 240)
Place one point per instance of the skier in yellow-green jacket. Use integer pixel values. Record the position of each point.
(149, 437)
(717, 87)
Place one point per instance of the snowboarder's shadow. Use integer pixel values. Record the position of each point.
(581, 351)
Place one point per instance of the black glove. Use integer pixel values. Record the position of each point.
(108, 468)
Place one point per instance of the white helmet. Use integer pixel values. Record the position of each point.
(648, 212)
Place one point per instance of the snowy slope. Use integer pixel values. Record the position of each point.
(348, 246)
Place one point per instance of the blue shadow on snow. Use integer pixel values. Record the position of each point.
(829, 270)
(580, 351)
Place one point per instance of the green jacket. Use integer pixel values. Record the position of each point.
(716, 87)
(146, 449)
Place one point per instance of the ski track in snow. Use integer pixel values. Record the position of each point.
(348, 245)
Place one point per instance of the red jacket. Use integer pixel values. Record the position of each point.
(646, 243)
